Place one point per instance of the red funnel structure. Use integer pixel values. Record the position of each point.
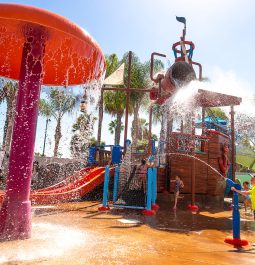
(178, 75)
(37, 47)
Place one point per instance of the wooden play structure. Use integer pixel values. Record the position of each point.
(213, 147)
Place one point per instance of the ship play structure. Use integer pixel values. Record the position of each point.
(32, 47)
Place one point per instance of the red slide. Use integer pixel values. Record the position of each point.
(74, 187)
(77, 175)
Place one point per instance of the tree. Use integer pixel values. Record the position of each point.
(143, 131)
(82, 129)
(8, 94)
(244, 129)
(45, 111)
(59, 104)
(113, 128)
(140, 78)
(157, 117)
(112, 63)
(114, 104)
(93, 142)
(217, 112)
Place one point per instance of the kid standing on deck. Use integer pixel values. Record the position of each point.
(250, 192)
(178, 185)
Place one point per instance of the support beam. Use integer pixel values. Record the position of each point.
(150, 133)
(233, 157)
(127, 99)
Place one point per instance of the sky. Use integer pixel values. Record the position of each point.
(223, 33)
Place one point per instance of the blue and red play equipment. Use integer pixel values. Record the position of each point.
(151, 192)
(236, 240)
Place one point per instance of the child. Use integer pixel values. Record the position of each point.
(247, 199)
(178, 185)
(142, 173)
(250, 192)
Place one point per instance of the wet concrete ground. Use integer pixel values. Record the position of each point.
(76, 233)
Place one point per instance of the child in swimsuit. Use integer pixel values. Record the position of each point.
(178, 185)
(247, 199)
(250, 192)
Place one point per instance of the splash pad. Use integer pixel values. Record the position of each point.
(37, 47)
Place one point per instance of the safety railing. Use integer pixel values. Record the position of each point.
(151, 192)
(188, 143)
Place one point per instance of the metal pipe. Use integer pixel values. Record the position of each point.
(127, 98)
(115, 185)
(150, 134)
(193, 166)
(200, 69)
(106, 186)
(154, 186)
(149, 189)
(152, 65)
(232, 114)
(141, 90)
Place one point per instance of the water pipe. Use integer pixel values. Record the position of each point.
(236, 240)
(154, 206)
(148, 210)
(105, 206)
(115, 184)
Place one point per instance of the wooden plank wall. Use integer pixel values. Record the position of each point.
(207, 180)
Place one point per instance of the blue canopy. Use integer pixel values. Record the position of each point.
(211, 120)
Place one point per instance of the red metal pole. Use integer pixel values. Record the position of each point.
(139, 90)
(150, 134)
(15, 214)
(232, 114)
(193, 173)
(127, 98)
(200, 70)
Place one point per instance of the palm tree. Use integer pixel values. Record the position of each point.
(113, 128)
(112, 63)
(114, 104)
(82, 129)
(59, 104)
(158, 117)
(140, 78)
(8, 94)
(45, 111)
(143, 128)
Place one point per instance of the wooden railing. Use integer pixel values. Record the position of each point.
(186, 143)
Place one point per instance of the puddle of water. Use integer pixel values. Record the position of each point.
(48, 241)
(129, 221)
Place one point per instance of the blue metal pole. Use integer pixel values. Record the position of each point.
(235, 210)
(115, 184)
(153, 147)
(154, 186)
(149, 189)
(236, 217)
(106, 185)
